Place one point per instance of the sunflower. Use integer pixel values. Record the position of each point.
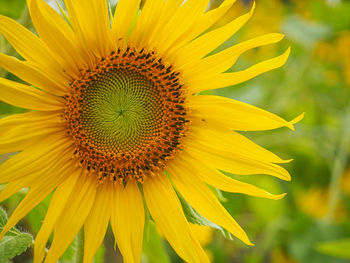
(116, 126)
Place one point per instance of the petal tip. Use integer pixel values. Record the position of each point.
(287, 161)
(295, 120)
(280, 196)
(298, 118)
(285, 56)
(287, 178)
(252, 9)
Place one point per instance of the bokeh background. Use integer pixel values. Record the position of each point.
(311, 224)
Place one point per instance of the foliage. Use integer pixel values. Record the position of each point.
(14, 242)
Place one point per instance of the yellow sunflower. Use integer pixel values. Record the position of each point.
(115, 124)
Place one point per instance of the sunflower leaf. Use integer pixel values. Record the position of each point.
(14, 242)
(12, 246)
(153, 246)
(68, 255)
(100, 255)
(3, 217)
(194, 217)
(3, 220)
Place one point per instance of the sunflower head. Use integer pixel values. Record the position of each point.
(116, 122)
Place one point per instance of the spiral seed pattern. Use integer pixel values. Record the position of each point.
(127, 116)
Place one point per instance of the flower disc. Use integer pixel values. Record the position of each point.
(121, 111)
(127, 116)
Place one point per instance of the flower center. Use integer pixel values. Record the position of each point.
(127, 116)
(121, 111)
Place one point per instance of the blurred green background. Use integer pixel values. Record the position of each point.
(311, 224)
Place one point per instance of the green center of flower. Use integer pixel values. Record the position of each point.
(122, 111)
(126, 116)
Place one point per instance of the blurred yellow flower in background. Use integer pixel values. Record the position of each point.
(315, 202)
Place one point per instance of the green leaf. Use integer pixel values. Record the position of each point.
(337, 248)
(100, 255)
(3, 221)
(194, 217)
(12, 246)
(14, 242)
(3, 217)
(69, 254)
(153, 246)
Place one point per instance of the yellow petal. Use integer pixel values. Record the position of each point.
(232, 114)
(298, 118)
(137, 214)
(57, 204)
(167, 212)
(146, 22)
(36, 158)
(231, 142)
(29, 46)
(234, 164)
(24, 96)
(12, 127)
(30, 73)
(19, 141)
(217, 179)
(36, 194)
(97, 221)
(181, 20)
(35, 178)
(206, 43)
(53, 29)
(123, 16)
(233, 78)
(15, 123)
(91, 25)
(128, 220)
(222, 61)
(72, 219)
(204, 22)
(203, 200)
(31, 175)
(169, 9)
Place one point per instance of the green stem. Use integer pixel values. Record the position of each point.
(79, 254)
(339, 165)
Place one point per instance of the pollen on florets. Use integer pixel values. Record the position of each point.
(127, 116)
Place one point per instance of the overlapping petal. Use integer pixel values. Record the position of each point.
(206, 43)
(58, 201)
(233, 78)
(166, 211)
(97, 221)
(127, 220)
(235, 115)
(204, 21)
(201, 198)
(91, 25)
(36, 194)
(30, 47)
(73, 217)
(53, 29)
(225, 183)
(24, 96)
